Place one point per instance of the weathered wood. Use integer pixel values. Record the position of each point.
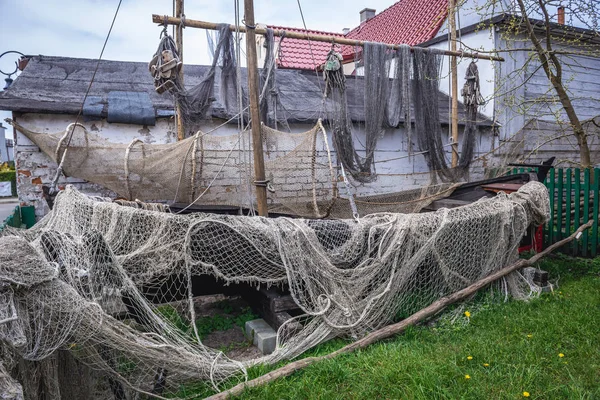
(160, 19)
(179, 41)
(399, 327)
(279, 302)
(253, 87)
(454, 80)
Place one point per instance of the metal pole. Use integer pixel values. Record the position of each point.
(257, 144)
(160, 19)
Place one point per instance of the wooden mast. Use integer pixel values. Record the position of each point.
(179, 41)
(160, 19)
(454, 79)
(253, 88)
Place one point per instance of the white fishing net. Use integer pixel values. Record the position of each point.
(59, 280)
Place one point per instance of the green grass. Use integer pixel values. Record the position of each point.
(521, 342)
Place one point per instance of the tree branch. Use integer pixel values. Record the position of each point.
(397, 328)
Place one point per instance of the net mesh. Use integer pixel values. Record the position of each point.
(204, 169)
(348, 277)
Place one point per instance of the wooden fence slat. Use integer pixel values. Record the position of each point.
(586, 208)
(596, 186)
(559, 206)
(550, 234)
(568, 202)
(577, 221)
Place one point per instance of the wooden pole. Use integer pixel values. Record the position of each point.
(253, 88)
(399, 327)
(160, 19)
(179, 41)
(454, 79)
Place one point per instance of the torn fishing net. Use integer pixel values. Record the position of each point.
(59, 281)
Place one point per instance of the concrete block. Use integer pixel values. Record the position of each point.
(263, 336)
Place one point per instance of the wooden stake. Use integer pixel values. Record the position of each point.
(397, 328)
(179, 41)
(253, 87)
(454, 78)
(159, 19)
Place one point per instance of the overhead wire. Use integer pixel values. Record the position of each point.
(87, 92)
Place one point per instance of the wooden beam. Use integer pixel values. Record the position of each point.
(454, 80)
(179, 41)
(253, 88)
(159, 19)
(394, 329)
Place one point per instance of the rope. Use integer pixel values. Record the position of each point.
(127, 152)
(62, 161)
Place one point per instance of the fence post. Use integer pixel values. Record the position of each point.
(559, 204)
(596, 186)
(550, 232)
(568, 202)
(586, 208)
(577, 221)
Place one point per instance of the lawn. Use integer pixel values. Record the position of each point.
(547, 348)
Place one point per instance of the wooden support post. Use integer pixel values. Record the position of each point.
(160, 19)
(454, 79)
(257, 144)
(179, 41)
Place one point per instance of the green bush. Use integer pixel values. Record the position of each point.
(10, 176)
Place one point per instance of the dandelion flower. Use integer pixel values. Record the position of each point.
(530, 336)
(467, 314)
(469, 357)
(467, 376)
(525, 394)
(486, 364)
(561, 355)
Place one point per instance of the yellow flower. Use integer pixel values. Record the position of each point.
(467, 314)
(467, 376)
(561, 355)
(530, 336)
(486, 364)
(525, 394)
(469, 357)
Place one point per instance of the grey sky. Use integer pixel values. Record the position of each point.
(77, 28)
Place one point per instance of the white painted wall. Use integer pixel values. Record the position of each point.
(480, 40)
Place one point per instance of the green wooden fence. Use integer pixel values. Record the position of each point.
(574, 200)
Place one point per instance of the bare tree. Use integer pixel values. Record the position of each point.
(553, 68)
(553, 51)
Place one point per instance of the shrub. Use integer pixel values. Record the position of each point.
(10, 176)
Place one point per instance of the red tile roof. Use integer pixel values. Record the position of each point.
(406, 22)
(296, 53)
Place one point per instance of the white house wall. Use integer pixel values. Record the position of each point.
(478, 40)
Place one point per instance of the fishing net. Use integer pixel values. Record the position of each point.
(59, 281)
(386, 101)
(203, 169)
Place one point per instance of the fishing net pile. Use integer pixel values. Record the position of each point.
(59, 279)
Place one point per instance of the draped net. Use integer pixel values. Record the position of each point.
(59, 279)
